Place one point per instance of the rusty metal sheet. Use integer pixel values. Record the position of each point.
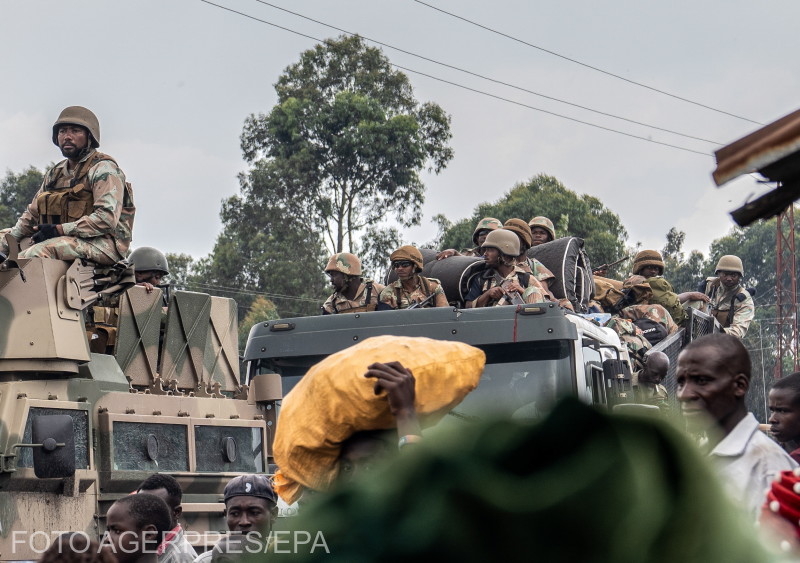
(760, 149)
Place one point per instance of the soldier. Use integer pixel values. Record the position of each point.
(351, 293)
(650, 265)
(174, 548)
(724, 297)
(485, 226)
(530, 265)
(542, 230)
(411, 289)
(150, 266)
(84, 208)
(647, 382)
(503, 283)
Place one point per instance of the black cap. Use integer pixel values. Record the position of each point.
(253, 485)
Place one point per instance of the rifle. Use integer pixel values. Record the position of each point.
(513, 296)
(604, 268)
(421, 304)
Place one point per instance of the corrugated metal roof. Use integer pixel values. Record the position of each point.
(759, 150)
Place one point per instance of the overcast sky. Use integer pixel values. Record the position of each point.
(172, 82)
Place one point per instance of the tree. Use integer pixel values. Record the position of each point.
(683, 273)
(582, 216)
(16, 192)
(262, 310)
(264, 249)
(180, 270)
(350, 140)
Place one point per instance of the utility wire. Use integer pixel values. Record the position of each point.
(631, 135)
(490, 79)
(628, 80)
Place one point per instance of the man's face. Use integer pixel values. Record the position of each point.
(729, 279)
(174, 505)
(404, 268)
(72, 139)
(248, 514)
(338, 280)
(653, 373)
(784, 415)
(540, 236)
(482, 234)
(125, 540)
(707, 390)
(650, 271)
(359, 456)
(152, 277)
(492, 256)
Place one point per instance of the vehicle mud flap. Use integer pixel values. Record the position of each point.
(185, 339)
(138, 333)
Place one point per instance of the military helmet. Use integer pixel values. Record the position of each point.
(543, 223)
(149, 259)
(78, 115)
(521, 228)
(486, 224)
(729, 263)
(503, 240)
(344, 262)
(408, 252)
(648, 258)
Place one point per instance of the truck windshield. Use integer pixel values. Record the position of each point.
(522, 380)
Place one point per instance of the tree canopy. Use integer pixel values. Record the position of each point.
(349, 140)
(16, 192)
(582, 216)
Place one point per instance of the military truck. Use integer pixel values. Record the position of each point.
(101, 386)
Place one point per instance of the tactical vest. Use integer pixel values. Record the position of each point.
(724, 316)
(523, 278)
(366, 308)
(65, 200)
(426, 288)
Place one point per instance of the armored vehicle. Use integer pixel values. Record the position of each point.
(101, 386)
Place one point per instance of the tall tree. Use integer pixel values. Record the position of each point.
(575, 215)
(16, 192)
(353, 139)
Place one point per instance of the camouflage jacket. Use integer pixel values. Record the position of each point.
(397, 297)
(109, 227)
(744, 308)
(338, 303)
(533, 266)
(471, 252)
(649, 394)
(534, 292)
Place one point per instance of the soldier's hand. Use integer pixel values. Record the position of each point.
(399, 384)
(514, 286)
(44, 232)
(447, 254)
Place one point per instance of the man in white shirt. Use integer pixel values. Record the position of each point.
(712, 381)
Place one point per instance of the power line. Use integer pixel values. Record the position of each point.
(608, 73)
(496, 81)
(475, 90)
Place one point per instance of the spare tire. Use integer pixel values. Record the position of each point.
(569, 263)
(455, 273)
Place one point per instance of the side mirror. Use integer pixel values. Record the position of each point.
(54, 446)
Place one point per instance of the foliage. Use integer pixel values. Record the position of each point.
(350, 139)
(374, 250)
(264, 249)
(16, 192)
(180, 269)
(582, 216)
(261, 310)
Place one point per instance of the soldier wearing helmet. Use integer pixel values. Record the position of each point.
(502, 282)
(530, 265)
(724, 297)
(351, 293)
(542, 230)
(485, 226)
(84, 208)
(150, 266)
(411, 289)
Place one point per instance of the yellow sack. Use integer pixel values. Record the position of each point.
(334, 400)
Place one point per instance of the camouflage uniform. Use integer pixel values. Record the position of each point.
(744, 308)
(533, 266)
(534, 292)
(338, 303)
(391, 292)
(649, 394)
(103, 236)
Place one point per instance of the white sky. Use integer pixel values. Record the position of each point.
(172, 82)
